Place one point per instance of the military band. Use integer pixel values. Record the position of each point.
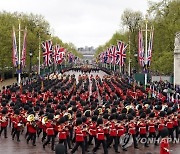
(73, 115)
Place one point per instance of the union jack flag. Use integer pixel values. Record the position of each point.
(47, 52)
(105, 57)
(121, 52)
(56, 54)
(23, 58)
(102, 57)
(109, 54)
(149, 56)
(141, 49)
(14, 50)
(113, 47)
(61, 55)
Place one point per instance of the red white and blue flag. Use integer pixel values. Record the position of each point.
(102, 57)
(62, 56)
(14, 50)
(141, 49)
(149, 53)
(47, 52)
(109, 52)
(56, 54)
(23, 56)
(121, 53)
(113, 47)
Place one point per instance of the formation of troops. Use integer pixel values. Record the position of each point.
(86, 112)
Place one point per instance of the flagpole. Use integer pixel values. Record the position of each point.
(129, 56)
(19, 58)
(39, 65)
(145, 76)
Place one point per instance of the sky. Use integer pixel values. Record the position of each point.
(82, 22)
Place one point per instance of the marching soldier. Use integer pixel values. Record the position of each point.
(17, 125)
(79, 137)
(151, 126)
(132, 130)
(62, 135)
(142, 128)
(92, 130)
(4, 123)
(113, 133)
(100, 137)
(50, 132)
(32, 129)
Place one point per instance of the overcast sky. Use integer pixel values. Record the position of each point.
(82, 22)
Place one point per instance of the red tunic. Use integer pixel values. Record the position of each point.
(169, 124)
(164, 144)
(31, 128)
(100, 133)
(120, 130)
(151, 127)
(142, 128)
(4, 123)
(79, 134)
(132, 128)
(112, 130)
(49, 128)
(175, 122)
(62, 132)
(92, 129)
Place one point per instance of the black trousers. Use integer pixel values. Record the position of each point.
(32, 136)
(134, 140)
(17, 133)
(50, 138)
(111, 138)
(99, 142)
(107, 138)
(69, 142)
(5, 131)
(157, 136)
(144, 136)
(176, 128)
(39, 131)
(86, 143)
(44, 136)
(65, 144)
(91, 138)
(152, 135)
(77, 145)
(171, 133)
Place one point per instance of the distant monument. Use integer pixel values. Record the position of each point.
(177, 59)
(87, 52)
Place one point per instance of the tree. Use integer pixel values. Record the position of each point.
(38, 30)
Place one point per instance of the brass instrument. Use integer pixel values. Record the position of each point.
(31, 118)
(44, 120)
(100, 111)
(69, 115)
(4, 119)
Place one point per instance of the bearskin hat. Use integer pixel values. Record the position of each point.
(99, 121)
(50, 116)
(78, 121)
(130, 117)
(143, 115)
(94, 118)
(164, 132)
(152, 115)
